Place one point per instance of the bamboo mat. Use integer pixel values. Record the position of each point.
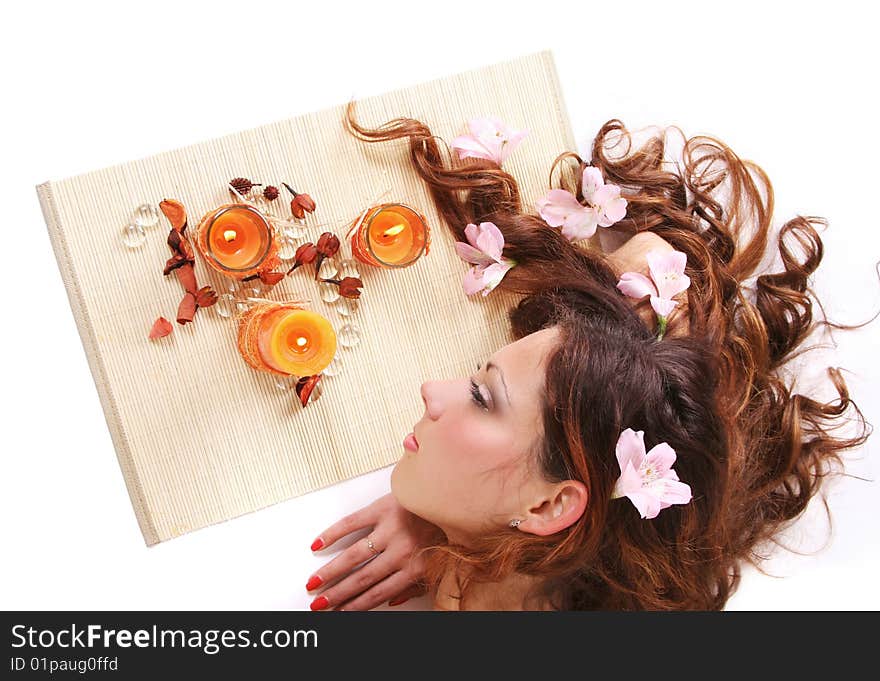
(200, 436)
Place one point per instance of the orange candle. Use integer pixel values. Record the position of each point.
(236, 240)
(284, 339)
(390, 235)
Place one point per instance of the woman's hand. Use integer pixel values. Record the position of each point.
(393, 574)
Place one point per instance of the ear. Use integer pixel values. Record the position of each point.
(561, 507)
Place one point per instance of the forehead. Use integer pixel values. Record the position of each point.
(523, 364)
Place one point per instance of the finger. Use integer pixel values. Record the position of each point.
(410, 592)
(379, 593)
(358, 520)
(360, 581)
(356, 554)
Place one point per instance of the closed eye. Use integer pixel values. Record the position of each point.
(476, 395)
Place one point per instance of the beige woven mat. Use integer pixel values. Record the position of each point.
(200, 436)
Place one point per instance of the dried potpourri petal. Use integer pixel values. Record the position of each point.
(304, 387)
(161, 328)
(301, 203)
(187, 308)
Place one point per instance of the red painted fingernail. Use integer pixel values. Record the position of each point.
(314, 582)
(319, 603)
(398, 602)
(318, 544)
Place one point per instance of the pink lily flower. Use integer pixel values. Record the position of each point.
(484, 252)
(490, 139)
(667, 280)
(560, 208)
(647, 479)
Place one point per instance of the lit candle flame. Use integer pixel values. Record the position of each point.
(301, 341)
(391, 231)
(230, 234)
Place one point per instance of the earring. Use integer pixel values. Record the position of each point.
(515, 522)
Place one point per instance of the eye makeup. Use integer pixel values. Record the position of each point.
(476, 395)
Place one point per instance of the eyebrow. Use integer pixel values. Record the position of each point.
(491, 365)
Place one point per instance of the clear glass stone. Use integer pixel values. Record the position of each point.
(133, 235)
(329, 269)
(146, 215)
(329, 292)
(349, 335)
(334, 368)
(292, 229)
(225, 305)
(285, 383)
(349, 268)
(346, 306)
(287, 246)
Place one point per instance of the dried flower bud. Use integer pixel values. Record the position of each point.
(304, 387)
(271, 278)
(306, 253)
(243, 185)
(206, 297)
(270, 192)
(301, 203)
(161, 328)
(328, 244)
(187, 278)
(349, 287)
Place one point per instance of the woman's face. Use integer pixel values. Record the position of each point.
(471, 472)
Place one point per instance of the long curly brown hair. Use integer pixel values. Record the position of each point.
(753, 452)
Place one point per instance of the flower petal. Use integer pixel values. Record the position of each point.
(513, 140)
(661, 457)
(581, 224)
(675, 492)
(647, 504)
(472, 255)
(662, 306)
(471, 233)
(493, 274)
(636, 285)
(591, 180)
(611, 212)
(490, 240)
(556, 205)
(630, 448)
(469, 146)
(473, 281)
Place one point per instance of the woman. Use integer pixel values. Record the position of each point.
(514, 497)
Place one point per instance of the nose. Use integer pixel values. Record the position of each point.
(429, 398)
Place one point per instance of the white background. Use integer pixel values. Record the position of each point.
(88, 85)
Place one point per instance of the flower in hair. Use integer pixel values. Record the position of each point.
(484, 252)
(561, 208)
(490, 139)
(667, 280)
(647, 479)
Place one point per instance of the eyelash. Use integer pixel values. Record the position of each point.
(476, 395)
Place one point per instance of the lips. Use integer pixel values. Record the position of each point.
(410, 442)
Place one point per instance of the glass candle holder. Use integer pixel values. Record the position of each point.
(237, 240)
(284, 339)
(390, 235)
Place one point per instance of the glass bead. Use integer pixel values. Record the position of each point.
(133, 235)
(329, 292)
(349, 335)
(328, 269)
(334, 368)
(225, 305)
(348, 268)
(287, 247)
(346, 306)
(146, 215)
(291, 229)
(285, 383)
